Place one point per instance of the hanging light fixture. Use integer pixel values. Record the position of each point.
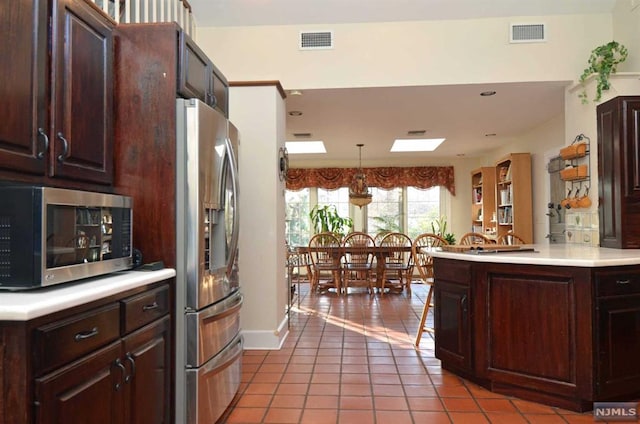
(359, 193)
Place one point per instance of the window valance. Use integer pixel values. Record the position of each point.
(384, 177)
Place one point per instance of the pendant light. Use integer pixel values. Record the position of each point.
(359, 193)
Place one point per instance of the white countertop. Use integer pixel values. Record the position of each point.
(29, 304)
(555, 254)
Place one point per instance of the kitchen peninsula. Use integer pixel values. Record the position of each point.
(558, 325)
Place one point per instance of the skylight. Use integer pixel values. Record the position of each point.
(416, 144)
(305, 147)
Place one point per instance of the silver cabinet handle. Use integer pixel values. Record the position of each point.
(86, 334)
(623, 281)
(65, 148)
(44, 136)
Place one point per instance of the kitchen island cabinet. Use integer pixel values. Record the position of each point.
(558, 326)
(94, 351)
(57, 86)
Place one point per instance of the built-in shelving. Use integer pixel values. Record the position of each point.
(513, 196)
(483, 201)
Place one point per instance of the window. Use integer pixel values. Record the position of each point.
(385, 211)
(298, 226)
(423, 207)
(338, 197)
(408, 209)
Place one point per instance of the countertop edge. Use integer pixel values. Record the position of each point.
(554, 255)
(30, 304)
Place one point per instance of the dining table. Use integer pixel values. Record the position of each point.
(379, 253)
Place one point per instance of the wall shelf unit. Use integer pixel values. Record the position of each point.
(483, 201)
(513, 196)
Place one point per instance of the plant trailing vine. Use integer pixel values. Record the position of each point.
(603, 61)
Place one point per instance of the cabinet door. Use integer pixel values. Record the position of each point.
(452, 329)
(194, 71)
(23, 90)
(148, 360)
(619, 171)
(618, 346)
(220, 90)
(87, 391)
(82, 107)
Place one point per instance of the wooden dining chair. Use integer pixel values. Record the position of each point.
(357, 268)
(423, 261)
(475, 238)
(510, 239)
(379, 236)
(326, 264)
(396, 262)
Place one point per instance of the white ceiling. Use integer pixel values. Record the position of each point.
(376, 116)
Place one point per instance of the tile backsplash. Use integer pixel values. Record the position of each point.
(582, 228)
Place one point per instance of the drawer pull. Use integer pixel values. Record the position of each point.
(151, 307)
(623, 281)
(86, 334)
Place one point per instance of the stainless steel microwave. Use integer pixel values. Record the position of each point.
(50, 235)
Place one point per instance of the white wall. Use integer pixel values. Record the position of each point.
(407, 53)
(259, 114)
(626, 20)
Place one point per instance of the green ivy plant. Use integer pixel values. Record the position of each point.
(603, 61)
(327, 219)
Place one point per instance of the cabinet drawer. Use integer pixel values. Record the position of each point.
(613, 283)
(62, 341)
(144, 308)
(452, 271)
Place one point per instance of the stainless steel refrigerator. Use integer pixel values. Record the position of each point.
(208, 299)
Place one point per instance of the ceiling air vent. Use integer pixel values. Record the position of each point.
(302, 134)
(416, 132)
(527, 33)
(316, 40)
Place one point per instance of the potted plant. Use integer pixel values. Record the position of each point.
(603, 61)
(326, 219)
(439, 227)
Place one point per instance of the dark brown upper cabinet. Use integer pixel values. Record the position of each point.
(57, 93)
(199, 78)
(619, 172)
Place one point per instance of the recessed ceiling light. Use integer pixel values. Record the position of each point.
(416, 144)
(304, 147)
(295, 113)
(488, 93)
(295, 93)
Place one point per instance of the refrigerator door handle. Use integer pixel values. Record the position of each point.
(226, 307)
(236, 213)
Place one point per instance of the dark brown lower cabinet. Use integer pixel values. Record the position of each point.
(107, 362)
(618, 345)
(82, 392)
(124, 382)
(563, 336)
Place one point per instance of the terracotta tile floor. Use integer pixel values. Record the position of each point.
(350, 359)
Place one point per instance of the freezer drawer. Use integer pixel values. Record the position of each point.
(211, 388)
(211, 329)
